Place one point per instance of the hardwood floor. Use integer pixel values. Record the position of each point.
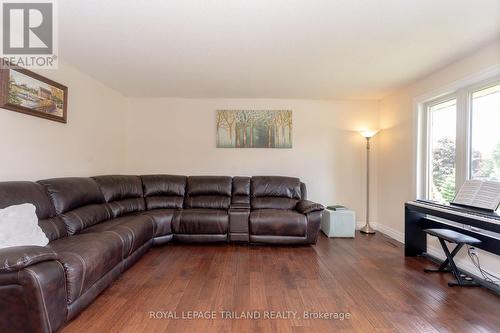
(367, 277)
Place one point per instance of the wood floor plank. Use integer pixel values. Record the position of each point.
(367, 277)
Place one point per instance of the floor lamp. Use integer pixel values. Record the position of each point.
(367, 229)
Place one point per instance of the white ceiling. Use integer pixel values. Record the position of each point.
(269, 48)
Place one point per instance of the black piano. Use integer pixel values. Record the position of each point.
(480, 224)
(422, 214)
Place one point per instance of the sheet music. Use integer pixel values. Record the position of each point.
(480, 194)
(467, 192)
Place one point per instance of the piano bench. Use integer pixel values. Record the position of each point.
(449, 264)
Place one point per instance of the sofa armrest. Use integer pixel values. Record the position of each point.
(313, 225)
(13, 259)
(238, 223)
(32, 290)
(306, 207)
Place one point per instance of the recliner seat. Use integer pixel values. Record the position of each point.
(277, 222)
(98, 227)
(86, 258)
(274, 216)
(204, 217)
(164, 197)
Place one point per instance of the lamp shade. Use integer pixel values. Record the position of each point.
(368, 133)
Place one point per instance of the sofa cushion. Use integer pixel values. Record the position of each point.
(163, 219)
(273, 203)
(54, 228)
(275, 222)
(241, 192)
(275, 186)
(274, 192)
(15, 193)
(164, 191)
(213, 192)
(126, 206)
(119, 187)
(208, 202)
(81, 218)
(71, 193)
(201, 221)
(209, 185)
(123, 194)
(86, 258)
(78, 200)
(133, 230)
(164, 202)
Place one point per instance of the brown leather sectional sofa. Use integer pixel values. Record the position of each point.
(100, 226)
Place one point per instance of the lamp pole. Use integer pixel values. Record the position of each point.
(367, 229)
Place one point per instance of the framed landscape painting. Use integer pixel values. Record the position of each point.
(254, 128)
(24, 91)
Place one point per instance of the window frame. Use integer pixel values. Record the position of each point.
(462, 92)
(427, 134)
(473, 89)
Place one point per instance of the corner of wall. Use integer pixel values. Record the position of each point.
(89, 143)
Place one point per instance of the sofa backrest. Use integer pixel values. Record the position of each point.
(275, 192)
(208, 192)
(164, 191)
(123, 194)
(78, 201)
(16, 193)
(241, 192)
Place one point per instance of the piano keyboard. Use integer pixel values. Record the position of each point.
(459, 211)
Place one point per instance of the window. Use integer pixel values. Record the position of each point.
(485, 134)
(460, 140)
(442, 147)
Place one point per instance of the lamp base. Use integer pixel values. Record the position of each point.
(367, 229)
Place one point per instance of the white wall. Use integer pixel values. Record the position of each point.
(178, 136)
(107, 133)
(90, 143)
(396, 143)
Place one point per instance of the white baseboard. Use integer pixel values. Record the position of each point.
(388, 231)
(436, 251)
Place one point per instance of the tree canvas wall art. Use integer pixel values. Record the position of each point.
(254, 128)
